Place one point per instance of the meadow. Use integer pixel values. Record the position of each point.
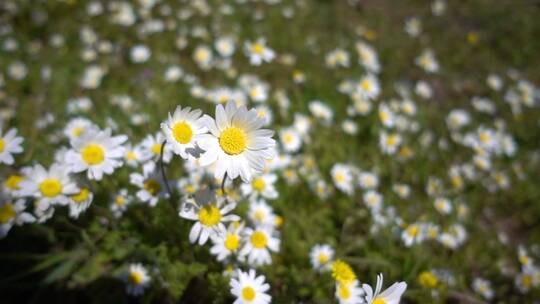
(269, 151)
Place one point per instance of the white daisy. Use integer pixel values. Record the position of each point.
(261, 214)
(10, 144)
(80, 202)
(343, 178)
(120, 202)
(391, 295)
(183, 129)
(248, 288)
(350, 293)
(261, 186)
(137, 279)
(321, 257)
(368, 87)
(259, 243)
(209, 218)
(228, 243)
(290, 139)
(96, 152)
(236, 144)
(151, 184)
(151, 145)
(78, 126)
(13, 214)
(258, 52)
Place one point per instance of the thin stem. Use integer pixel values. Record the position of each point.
(223, 186)
(164, 175)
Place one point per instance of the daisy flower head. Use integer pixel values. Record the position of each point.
(258, 52)
(210, 216)
(11, 184)
(77, 126)
(228, 243)
(120, 203)
(261, 186)
(259, 242)
(152, 145)
(343, 178)
(350, 293)
(248, 288)
(261, 214)
(236, 144)
(137, 279)
(80, 201)
(13, 213)
(183, 129)
(151, 184)
(389, 143)
(290, 139)
(321, 111)
(50, 186)
(10, 144)
(135, 155)
(368, 87)
(321, 257)
(392, 295)
(96, 152)
(225, 46)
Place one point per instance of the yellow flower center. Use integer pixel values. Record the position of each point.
(93, 154)
(384, 116)
(233, 140)
(190, 189)
(12, 182)
(259, 239)
(366, 85)
(257, 48)
(232, 242)
(526, 280)
(258, 184)
(182, 132)
(342, 272)
(323, 258)
(135, 278)
(379, 301)
(77, 131)
(391, 140)
(484, 137)
(50, 187)
(152, 186)
(209, 215)
(130, 155)
(288, 138)
(82, 196)
(156, 149)
(344, 291)
(120, 200)
(340, 177)
(428, 279)
(412, 230)
(2, 145)
(260, 215)
(248, 293)
(7, 212)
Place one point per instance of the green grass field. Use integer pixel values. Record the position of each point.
(472, 207)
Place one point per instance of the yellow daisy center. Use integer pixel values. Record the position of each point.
(379, 301)
(130, 155)
(82, 196)
(182, 132)
(156, 149)
(384, 116)
(260, 215)
(340, 177)
(526, 280)
(342, 272)
(77, 131)
(484, 137)
(412, 230)
(50, 187)
(257, 48)
(152, 186)
(209, 215)
(258, 184)
(12, 182)
(248, 293)
(135, 277)
(428, 279)
(233, 140)
(323, 258)
(120, 200)
(259, 239)
(288, 138)
(232, 242)
(93, 154)
(344, 291)
(2, 145)
(7, 212)
(365, 84)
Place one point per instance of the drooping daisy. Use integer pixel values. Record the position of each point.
(228, 243)
(258, 52)
(80, 201)
(50, 187)
(13, 214)
(321, 257)
(137, 279)
(261, 186)
(151, 184)
(248, 288)
(392, 295)
(10, 144)
(183, 129)
(96, 152)
(209, 218)
(259, 243)
(236, 145)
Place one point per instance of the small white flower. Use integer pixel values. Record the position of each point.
(248, 288)
(258, 52)
(259, 243)
(183, 129)
(392, 295)
(137, 279)
(10, 144)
